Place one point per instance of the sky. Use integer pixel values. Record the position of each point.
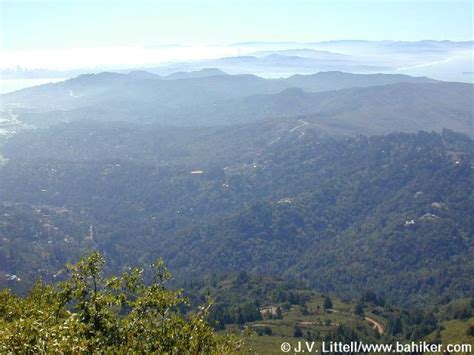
(66, 33)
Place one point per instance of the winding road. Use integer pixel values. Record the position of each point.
(375, 324)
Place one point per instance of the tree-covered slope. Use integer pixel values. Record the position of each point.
(398, 221)
(390, 213)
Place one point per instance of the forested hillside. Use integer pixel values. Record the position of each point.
(389, 213)
(278, 310)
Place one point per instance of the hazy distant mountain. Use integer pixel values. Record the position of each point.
(195, 74)
(268, 61)
(336, 102)
(140, 96)
(303, 52)
(276, 64)
(419, 47)
(326, 81)
(143, 74)
(345, 45)
(444, 60)
(202, 73)
(402, 107)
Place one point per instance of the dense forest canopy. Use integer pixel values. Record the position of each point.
(340, 213)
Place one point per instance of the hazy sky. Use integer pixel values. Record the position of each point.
(37, 27)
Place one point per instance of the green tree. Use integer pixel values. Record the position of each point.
(470, 331)
(279, 313)
(327, 303)
(90, 313)
(298, 333)
(359, 309)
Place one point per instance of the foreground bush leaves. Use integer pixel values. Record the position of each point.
(91, 313)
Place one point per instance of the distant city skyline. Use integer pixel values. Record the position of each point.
(66, 34)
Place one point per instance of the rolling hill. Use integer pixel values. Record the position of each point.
(197, 99)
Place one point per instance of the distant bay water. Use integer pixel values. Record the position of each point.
(9, 85)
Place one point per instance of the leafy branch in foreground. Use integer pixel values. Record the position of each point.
(91, 313)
